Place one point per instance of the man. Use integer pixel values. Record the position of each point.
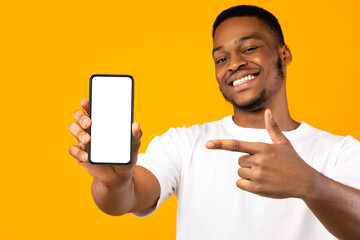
(255, 175)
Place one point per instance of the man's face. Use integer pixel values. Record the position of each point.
(247, 62)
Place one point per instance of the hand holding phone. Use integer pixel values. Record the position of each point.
(106, 173)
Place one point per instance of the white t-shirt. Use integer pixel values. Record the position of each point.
(211, 206)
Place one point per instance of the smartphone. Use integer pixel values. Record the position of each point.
(111, 110)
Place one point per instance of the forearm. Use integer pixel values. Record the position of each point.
(116, 199)
(337, 206)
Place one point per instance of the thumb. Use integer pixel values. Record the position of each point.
(137, 133)
(273, 129)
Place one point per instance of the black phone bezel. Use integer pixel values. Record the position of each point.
(132, 117)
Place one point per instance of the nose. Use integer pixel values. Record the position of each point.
(236, 62)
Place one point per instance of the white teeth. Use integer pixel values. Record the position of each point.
(243, 79)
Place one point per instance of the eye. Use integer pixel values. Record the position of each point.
(249, 50)
(221, 60)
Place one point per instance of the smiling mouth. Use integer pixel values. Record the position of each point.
(244, 79)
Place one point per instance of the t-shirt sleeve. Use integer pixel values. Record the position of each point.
(163, 158)
(347, 166)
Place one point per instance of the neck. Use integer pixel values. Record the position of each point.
(280, 113)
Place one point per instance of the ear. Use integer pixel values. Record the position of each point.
(285, 55)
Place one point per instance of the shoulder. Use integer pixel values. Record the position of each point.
(319, 140)
(184, 136)
(196, 130)
(177, 143)
(311, 133)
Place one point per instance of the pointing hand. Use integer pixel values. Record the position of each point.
(271, 170)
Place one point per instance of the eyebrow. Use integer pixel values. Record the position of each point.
(252, 36)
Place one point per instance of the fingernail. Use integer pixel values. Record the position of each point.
(270, 115)
(210, 144)
(84, 156)
(84, 138)
(85, 122)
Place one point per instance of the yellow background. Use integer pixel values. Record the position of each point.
(49, 49)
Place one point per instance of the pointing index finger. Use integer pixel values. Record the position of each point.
(233, 145)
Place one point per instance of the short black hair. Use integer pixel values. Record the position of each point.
(251, 11)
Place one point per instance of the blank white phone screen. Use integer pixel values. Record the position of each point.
(111, 116)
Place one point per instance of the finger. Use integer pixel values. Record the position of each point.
(244, 184)
(245, 161)
(135, 128)
(83, 119)
(78, 154)
(273, 129)
(137, 133)
(245, 173)
(85, 105)
(234, 145)
(83, 146)
(79, 133)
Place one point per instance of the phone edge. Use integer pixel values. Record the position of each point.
(132, 117)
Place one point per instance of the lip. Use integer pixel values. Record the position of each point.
(240, 75)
